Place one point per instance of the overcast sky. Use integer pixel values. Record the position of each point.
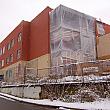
(12, 12)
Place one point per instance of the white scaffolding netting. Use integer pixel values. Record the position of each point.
(100, 28)
(72, 36)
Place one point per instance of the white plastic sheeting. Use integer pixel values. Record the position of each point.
(100, 28)
(72, 36)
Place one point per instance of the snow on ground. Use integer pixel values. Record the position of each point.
(62, 108)
(85, 78)
(76, 79)
(97, 105)
(7, 98)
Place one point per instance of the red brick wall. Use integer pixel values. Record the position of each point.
(23, 27)
(39, 34)
(107, 28)
(25, 41)
(35, 38)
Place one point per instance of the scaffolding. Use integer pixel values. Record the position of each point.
(72, 37)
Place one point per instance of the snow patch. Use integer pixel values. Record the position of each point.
(96, 105)
(6, 98)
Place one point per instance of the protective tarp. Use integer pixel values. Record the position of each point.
(70, 40)
(72, 36)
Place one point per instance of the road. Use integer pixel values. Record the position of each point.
(9, 104)
(15, 105)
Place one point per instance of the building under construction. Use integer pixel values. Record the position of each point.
(58, 42)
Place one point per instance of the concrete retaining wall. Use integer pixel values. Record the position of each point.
(26, 92)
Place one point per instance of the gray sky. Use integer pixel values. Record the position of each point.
(12, 12)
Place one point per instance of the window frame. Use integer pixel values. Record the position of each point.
(19, 39)
(7, 60)
(8, 46)
(11, 58)
(18, 53)
(12, 43)
(0, 51)
(3, 50)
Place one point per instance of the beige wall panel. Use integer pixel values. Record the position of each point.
(103, 46)
(40, 62)
(43, 73)
(14, 68)
(33, 63)
(40, 65)
(44, 61)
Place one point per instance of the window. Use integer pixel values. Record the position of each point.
(18, 53)
(12, 43)
(9, 73)
(100, 29)
(1, 63)
(3, 49)
(0, 51)
(1, 77)
(7, 60)
(11, 58)
(19, 37)
(8, 46)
